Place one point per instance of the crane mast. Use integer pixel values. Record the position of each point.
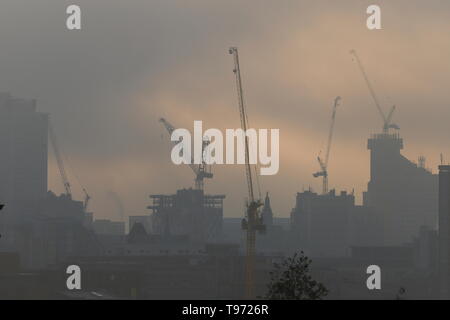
(201, 171)
(244, 120)
(324, 163)
(387, 124)
(252, 222)
(59, 161)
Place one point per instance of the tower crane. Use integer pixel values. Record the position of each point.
(323, 163)
(202, 170)
(387, 120)
(62, 170)
(252, 222)
(59, 160)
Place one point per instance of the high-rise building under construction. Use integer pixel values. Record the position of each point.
(403, 195)
(189, 213)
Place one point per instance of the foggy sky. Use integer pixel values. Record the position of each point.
(134, 61)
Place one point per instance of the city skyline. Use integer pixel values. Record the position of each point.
(105, 96)
(224, 150)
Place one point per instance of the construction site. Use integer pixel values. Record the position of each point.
(185, 248)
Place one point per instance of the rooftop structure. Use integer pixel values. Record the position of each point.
(188, 212)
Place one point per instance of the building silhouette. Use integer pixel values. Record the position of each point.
(444, 230)
(23, 164)
(43, 229)
(144, 220)
(273, 240)
(190, 213)
(320, 224)
(402, 194)
(266, 213)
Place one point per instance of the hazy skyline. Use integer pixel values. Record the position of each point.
(133, 62)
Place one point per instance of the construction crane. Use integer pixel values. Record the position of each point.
(59, 160)
(323, 163)
(202, 170)
(62, 170)
(252, 222)
(387, 120)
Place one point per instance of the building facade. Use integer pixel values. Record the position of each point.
(403, 195)
(189, 212)
(444, 230)
(320, 224)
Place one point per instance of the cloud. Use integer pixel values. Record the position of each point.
(107, 85)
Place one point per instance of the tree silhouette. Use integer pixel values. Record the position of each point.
(291, 280)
